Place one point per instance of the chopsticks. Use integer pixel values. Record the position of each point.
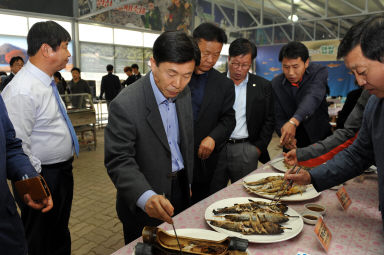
(285, 186)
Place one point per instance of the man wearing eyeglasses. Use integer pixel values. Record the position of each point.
(254, 118)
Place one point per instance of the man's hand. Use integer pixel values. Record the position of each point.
(45, 205)
(301, 178)
(291, 145)
(160, 208)
(207, 145)
(288, 132)
(290, 157)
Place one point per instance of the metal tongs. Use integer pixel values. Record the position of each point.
(177, 239)
(284, 187)
(174, 230)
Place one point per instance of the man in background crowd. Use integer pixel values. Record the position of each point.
(78, 85)
(110, 85)
(213, 95)
(301, 111)
(254, 118)
(41, 122)
(130, 79)
(136, 73)
(149, 138)
(16, 64)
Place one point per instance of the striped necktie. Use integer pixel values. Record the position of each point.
(67, 120)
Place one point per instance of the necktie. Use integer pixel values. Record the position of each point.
(67, 120)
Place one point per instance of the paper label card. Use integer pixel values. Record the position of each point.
(323, 234)
(343, 198)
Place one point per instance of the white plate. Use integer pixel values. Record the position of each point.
(308, 194)
(278, 164)
(295, 223)
(198, 233)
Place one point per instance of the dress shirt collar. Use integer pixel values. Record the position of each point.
(37, 73)
(243, 83)
(160, 98)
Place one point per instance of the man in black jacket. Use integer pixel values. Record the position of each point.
(110, 85)
(16, 64)
(301, 111)
(213, 95)
(254, 118)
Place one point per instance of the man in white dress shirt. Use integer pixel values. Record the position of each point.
(39, 123)
(254, 118)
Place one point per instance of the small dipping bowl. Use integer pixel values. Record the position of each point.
(315, 208)
(310, 217)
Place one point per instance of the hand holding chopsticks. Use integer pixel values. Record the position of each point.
(301, 178)
(284, 187)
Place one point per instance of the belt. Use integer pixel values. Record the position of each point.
(176, 174)
(60, 164)
(233, 141)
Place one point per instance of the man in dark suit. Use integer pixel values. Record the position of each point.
(301, 111)
(149, 138)
(213, 95)
(16, 64)
(136, 73)
(14, 164)
(254, 118)
(110, 85)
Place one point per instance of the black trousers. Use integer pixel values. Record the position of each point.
(202, 176)
(133, 223)
(48, 233)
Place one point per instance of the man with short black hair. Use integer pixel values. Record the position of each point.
(78, 85)
(110, 85)
(213, 96)
(136, 73)
(363, 52)
(301, 111)
(254, 118)
(149, 138)
(16, 64)
(41, 122)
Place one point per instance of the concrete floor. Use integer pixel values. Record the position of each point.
(94, 226)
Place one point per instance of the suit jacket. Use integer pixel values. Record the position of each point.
(310, 98)
(259, 113)
(110, 85)
(13, 165)
(6, 80)
(137, 154)
(216, 118)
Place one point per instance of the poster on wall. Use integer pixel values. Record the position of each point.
(95, 57)
(12, 46)
(126, 56)
(157, 15)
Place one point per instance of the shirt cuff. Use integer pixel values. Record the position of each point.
(144, 198)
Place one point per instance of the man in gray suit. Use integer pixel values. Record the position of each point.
(149, 138)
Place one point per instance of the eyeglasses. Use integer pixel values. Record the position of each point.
(243, 66)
